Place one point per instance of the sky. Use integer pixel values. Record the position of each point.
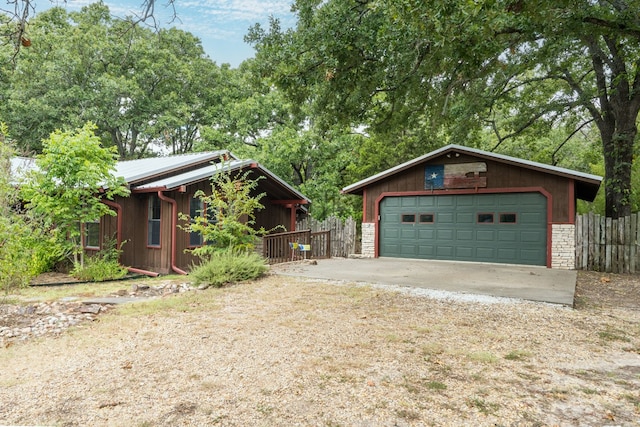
(220, 24)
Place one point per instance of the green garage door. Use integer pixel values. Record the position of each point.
(505, 228)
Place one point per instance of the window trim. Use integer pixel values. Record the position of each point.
(493, 218)
(158, 220)
(202, 209)
(85, 236)
(433, 218)
(402, 221)
(515, 216)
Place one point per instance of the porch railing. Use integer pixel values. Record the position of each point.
(284, 247)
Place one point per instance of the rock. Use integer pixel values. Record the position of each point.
(92, 308)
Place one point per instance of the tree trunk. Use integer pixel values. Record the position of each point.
(618, 158)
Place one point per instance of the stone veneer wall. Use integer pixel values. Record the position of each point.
(563, 246)
(368, 239)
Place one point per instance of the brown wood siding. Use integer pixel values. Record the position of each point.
(272, 216)
(134, 228)
(499, 176)
(185, 259)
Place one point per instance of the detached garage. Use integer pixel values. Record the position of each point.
(463, 204)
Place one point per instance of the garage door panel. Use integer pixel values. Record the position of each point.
(445, 201)
(426, 234)
(426, 250)
(407, 233)
(485, 253)
(508, 254)
(444, 235)
(485, 235)
(426, 202)
(444, 252)
(508, 236)
(464, 252)
(455, 234)
(408, 202)
(531, 237)
(487, 200)
(464, 235)
(390, 233)
(465, 218)
(445, 218)
(531, 218)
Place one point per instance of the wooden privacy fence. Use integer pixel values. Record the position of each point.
(296, 245)
(343, 233)
(608, 245)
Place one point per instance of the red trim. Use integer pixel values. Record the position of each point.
(145, 272)
(540, 190)
(572, 201)
(293, 218)
(364, 205)
(290, 202)
(174, 228)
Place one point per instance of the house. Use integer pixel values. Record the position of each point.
(147, 220)
(463, 204)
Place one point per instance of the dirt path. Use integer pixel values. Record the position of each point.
(284, 351)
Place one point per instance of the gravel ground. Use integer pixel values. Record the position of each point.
(287, 351)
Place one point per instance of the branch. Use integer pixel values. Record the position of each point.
(617, 26)
(578, 129)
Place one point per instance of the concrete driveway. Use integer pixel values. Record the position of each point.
(499, 280)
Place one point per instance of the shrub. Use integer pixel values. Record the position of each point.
(45, 253)
(100, 267)
(228, 267)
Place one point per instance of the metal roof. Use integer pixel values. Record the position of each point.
(554, 170)
(206, 172)
(142, 169)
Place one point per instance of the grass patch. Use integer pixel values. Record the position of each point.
(51, 293)
(483, 357)
(517, 355)
(611, 335)
(483, 406)
(435, 385)
(185, 303)
(408, 415)
(633, 399)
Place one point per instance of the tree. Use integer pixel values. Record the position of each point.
(18, 13)
(25, 250)
(142, 89)
(74, 174)
(227, 216)
(510, 66)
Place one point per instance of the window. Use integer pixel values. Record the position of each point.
(153, 224)
(196, 208)
(485, 218)
(91, 236)
(507, 218)
(408, 218)
(426, 218)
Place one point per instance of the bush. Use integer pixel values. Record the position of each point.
(100, 267)
(228, 267)
(45, 253)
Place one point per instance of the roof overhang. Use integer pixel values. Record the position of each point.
(173, 183)
(587, 185)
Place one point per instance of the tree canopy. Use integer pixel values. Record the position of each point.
(141, 88)
(74, 174)
(461, 69)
